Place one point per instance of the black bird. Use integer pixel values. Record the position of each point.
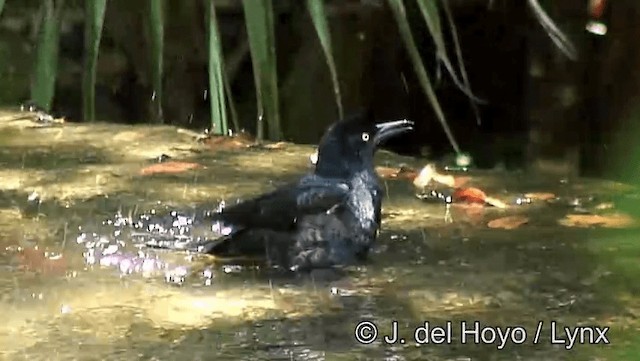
(328, 218)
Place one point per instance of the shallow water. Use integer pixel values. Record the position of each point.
(422, 270)
(432, 263)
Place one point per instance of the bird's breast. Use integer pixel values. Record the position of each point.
(362, 204)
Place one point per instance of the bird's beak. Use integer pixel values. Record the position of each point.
(390, 129)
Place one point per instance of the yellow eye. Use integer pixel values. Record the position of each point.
(365, 136)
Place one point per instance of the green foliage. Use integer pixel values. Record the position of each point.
(458, 49)
(95, 10)
(232, 107)
(431, 15)
(1, 6)
(260, 30)
(400, 15)
(429, 10)
(216, 73)
(319, 18)
(156, 25)
(259, 20)
(46, 61)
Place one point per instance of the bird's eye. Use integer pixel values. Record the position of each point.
(365, 136)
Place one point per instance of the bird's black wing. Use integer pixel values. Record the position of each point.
(276, 211)
(279, 209)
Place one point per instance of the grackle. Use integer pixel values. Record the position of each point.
(327, 218)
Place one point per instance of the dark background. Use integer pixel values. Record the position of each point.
(540, 105)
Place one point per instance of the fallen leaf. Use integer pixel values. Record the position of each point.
(401, 173)
(605, 205)
(238, 141)
(541, 196)
(425, 176)
(407, 173)
(473, 212)
(277, 145)
(616, 220)
(475, 195)
(33, 259)
(387, 172)
(169, 167)
(429, 173)
(471, 195)
(495, 202)
(509, 222)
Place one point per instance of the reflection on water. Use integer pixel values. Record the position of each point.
(117, 301)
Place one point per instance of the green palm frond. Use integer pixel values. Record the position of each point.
(46, 61)
(260, 31)
(94, 10)
(319, 18)
(156, 25)
(399, 12)
(216, 73)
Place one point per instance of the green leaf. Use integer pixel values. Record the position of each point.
(400, 15)
(429, 10)
(260, 31)
(1, 6)
(156, 24)
(95, 10)
(458, 49)
(557, 36)
(319, 18)
(46, 61)
(216, 73)
(231, 103)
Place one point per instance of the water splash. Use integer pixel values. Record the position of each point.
(134, 245)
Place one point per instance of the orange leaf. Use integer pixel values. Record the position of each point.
(239, 141)
(471, 195)
(387, 172)
(540, 196)
(510, 222)
(587, 220)
(35, 260)
(407, 173)
(402, 172)
(474, 212)
(169, 167)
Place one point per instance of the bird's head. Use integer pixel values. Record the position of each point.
(349, 144)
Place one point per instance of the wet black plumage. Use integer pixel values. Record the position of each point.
(329, 217)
